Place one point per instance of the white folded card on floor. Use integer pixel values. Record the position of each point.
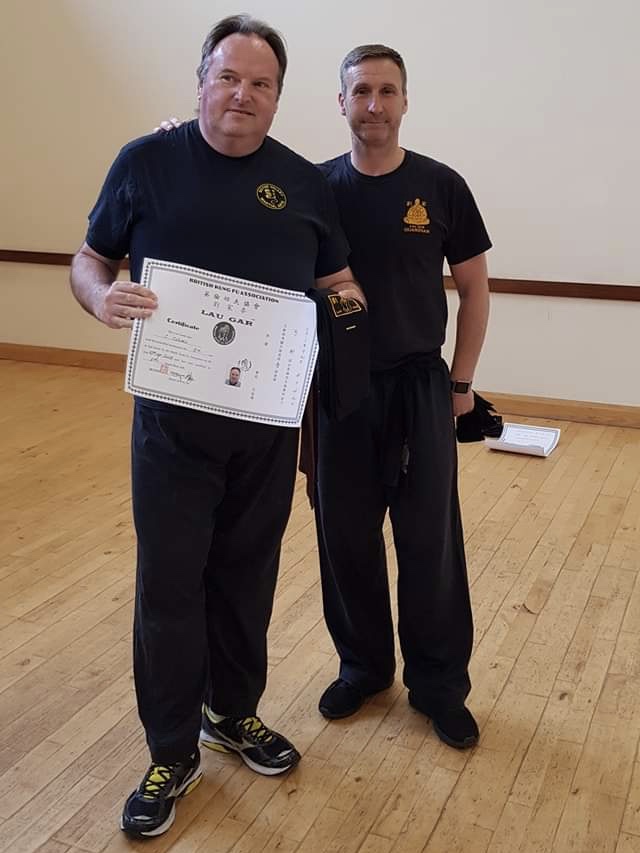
(520, 438)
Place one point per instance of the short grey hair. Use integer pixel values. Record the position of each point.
(247, 26)
(371, 51)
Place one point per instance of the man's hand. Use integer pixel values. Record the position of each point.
(344, 284)
(462, 403)
(352, 291)
(125, 302)
(168, 124)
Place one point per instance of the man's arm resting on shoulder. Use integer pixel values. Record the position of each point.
(472, 283)
(344, 284)
(115, 303)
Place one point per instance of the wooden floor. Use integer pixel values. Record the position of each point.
(554, 553)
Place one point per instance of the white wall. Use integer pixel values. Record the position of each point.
(534, 102)
(37, 309)
(571, 349)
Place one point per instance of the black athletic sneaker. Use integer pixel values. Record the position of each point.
(261, 749)
(151, 809)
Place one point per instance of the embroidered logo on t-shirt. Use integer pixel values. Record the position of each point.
(416, 217)
(271, 196)
(343, 306)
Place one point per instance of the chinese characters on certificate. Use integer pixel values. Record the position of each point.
(223, 345)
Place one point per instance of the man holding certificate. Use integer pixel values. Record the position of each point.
(211, 493)
(403, 214)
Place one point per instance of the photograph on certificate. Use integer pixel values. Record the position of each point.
(223, 345)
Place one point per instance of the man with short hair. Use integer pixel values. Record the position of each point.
(234, 377)
(403, 214)
(211, 495)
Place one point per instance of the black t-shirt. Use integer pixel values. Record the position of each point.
(268, 217)
(401, 226)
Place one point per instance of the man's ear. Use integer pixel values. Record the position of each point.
(341, 104)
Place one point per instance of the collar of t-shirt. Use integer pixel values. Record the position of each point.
(378, 179)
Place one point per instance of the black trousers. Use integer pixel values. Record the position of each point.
(434, 614)
(211, 499)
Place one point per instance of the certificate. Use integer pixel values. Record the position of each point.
(523, 438)
(223, 345)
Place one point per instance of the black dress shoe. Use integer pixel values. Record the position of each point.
(454, 726)
(340, 699)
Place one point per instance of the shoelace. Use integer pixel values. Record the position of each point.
(156, 781)
(256, 730)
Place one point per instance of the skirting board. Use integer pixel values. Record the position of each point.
(66, 357)
(605, 414)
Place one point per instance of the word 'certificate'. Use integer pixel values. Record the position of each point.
(223, 345)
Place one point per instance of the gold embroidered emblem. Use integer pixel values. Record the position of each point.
(343, 307)
(271, 196)
(416, 217)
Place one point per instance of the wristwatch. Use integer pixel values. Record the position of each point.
(460, 387)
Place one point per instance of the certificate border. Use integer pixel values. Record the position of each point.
(149, 265)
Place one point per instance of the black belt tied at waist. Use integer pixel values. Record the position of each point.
(398, 420)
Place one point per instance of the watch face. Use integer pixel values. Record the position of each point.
(460, 387)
